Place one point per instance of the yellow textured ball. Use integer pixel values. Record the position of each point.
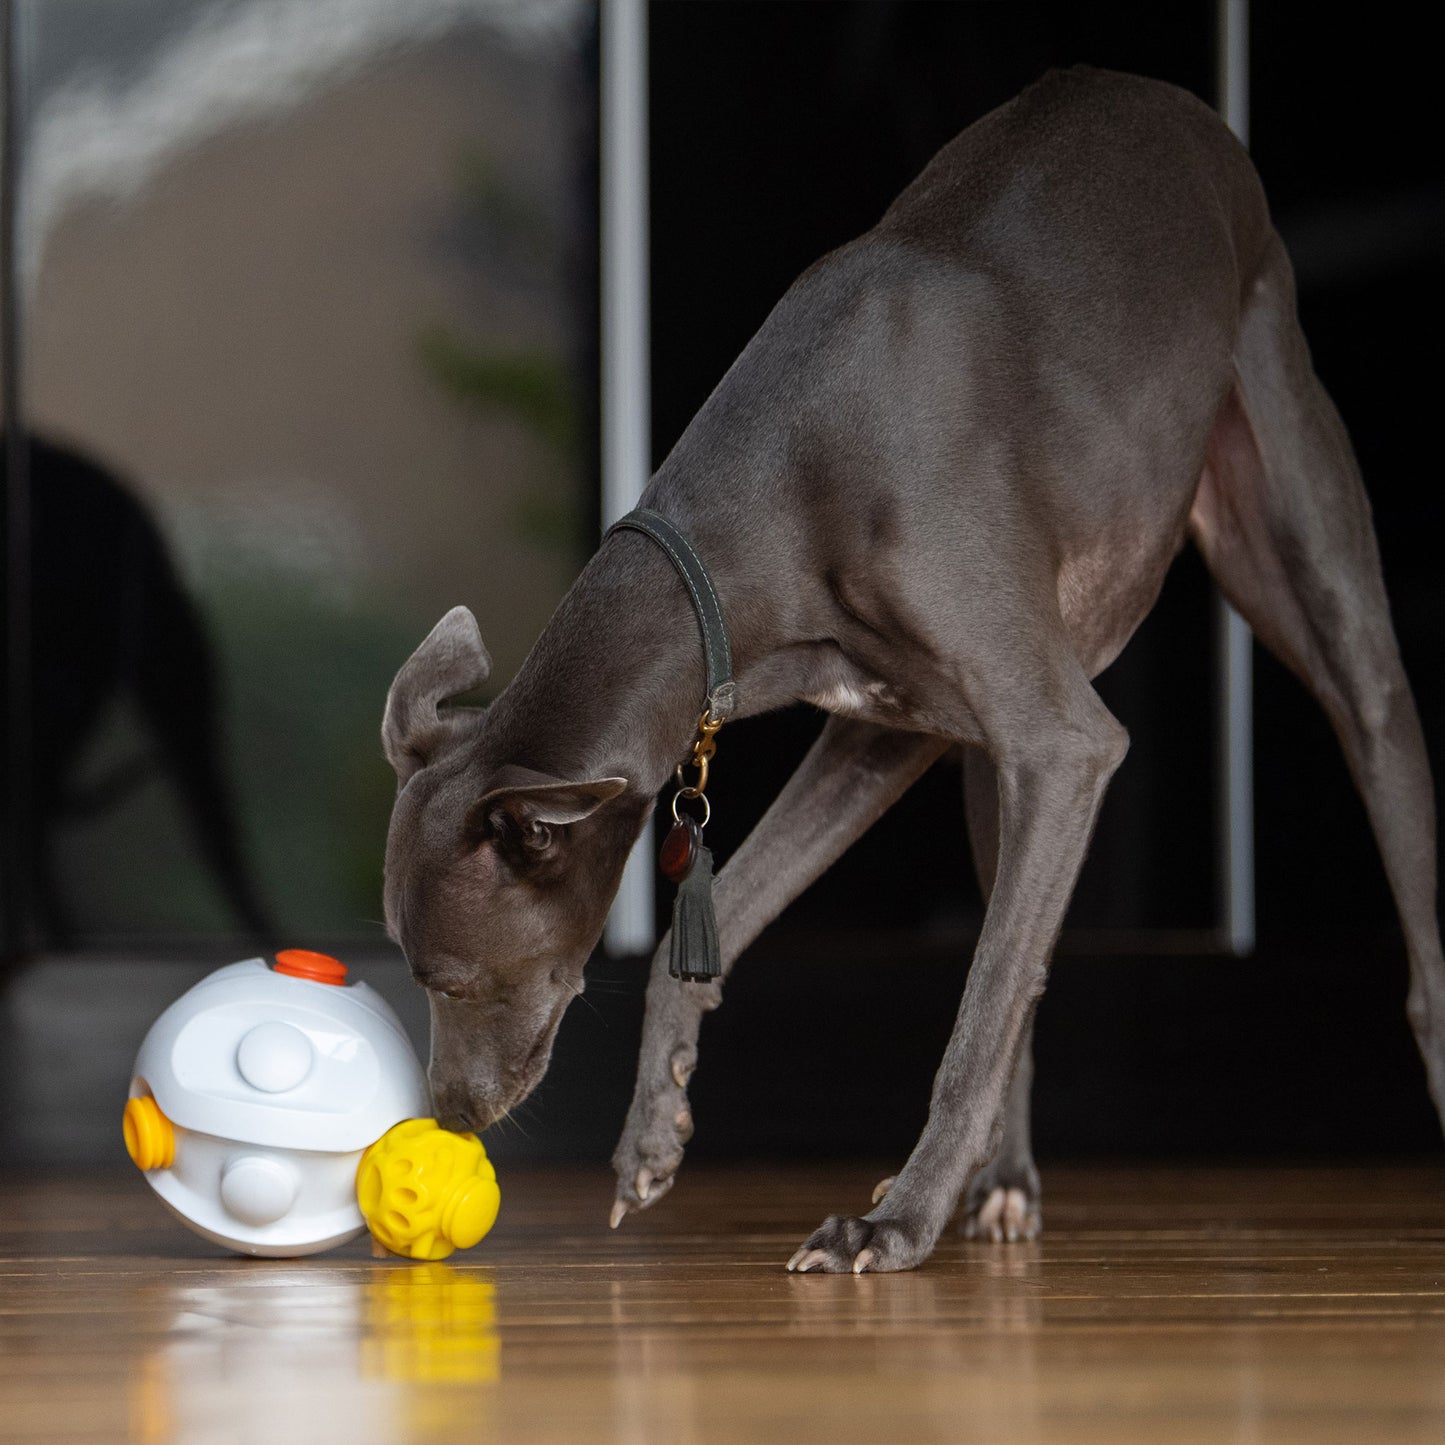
(426, 1191)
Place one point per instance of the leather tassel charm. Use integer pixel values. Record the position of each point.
(695, 955)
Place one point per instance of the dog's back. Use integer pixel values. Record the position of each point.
(1088, 179)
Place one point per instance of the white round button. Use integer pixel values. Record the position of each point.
(274, 1057)
(257, 1190)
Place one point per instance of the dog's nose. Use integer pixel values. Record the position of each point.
(467, 1110)
(453, 1109)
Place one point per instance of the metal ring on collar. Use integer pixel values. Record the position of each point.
(692, 793)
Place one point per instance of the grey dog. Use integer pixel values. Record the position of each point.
(937, 493)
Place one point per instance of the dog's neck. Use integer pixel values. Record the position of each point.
(615, 684)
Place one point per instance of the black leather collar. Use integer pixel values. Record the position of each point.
(717, 652)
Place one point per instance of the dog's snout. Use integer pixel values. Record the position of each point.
(484, 1062)
(467, 1106)
(456, 1108)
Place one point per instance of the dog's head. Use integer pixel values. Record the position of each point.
(498, 880)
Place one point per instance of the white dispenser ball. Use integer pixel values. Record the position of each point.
(255, 1093)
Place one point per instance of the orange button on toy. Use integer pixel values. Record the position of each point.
(318, 967)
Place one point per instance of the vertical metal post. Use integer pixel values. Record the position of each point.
(1235, 663)
(15, 726)
(626, 359)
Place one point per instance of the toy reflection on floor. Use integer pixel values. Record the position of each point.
(279, 1111)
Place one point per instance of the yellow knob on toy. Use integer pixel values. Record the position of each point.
(426, 1191)
(150, 1138)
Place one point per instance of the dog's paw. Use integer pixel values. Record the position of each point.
(845, 1244)
(649, 1153)
(1003, 1204)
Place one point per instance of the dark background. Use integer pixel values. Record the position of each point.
(779, 131)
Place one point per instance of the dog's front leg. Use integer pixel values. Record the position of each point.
(1051, 774)
(850, 777)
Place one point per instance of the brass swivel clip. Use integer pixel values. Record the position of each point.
(703, 748)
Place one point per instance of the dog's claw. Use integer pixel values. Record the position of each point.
(985, 1224)
(843, 1244)
(619, 1213)
(806, 1258)
(882, 1187)
(1015, 1215)
(682, 1067)
(1006, 1214)
(644, 1183)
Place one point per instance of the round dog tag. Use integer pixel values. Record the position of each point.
(679, 850)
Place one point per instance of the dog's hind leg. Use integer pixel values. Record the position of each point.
(1284, 524)
(853, 774)
(1054, 746)
(1002, 1202)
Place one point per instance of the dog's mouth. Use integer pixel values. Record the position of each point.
(535, 1064)
(472, 1111)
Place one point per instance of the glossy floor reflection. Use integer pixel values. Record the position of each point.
(1300, 1305)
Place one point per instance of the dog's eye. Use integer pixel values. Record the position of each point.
(455, 997)
(538, 837)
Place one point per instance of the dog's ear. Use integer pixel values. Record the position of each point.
(452, 660)
(524, 812)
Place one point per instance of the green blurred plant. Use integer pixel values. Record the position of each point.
(532, 387)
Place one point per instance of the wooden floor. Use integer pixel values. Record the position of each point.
(1161, 1306)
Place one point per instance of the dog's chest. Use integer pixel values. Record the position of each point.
(873, 699)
